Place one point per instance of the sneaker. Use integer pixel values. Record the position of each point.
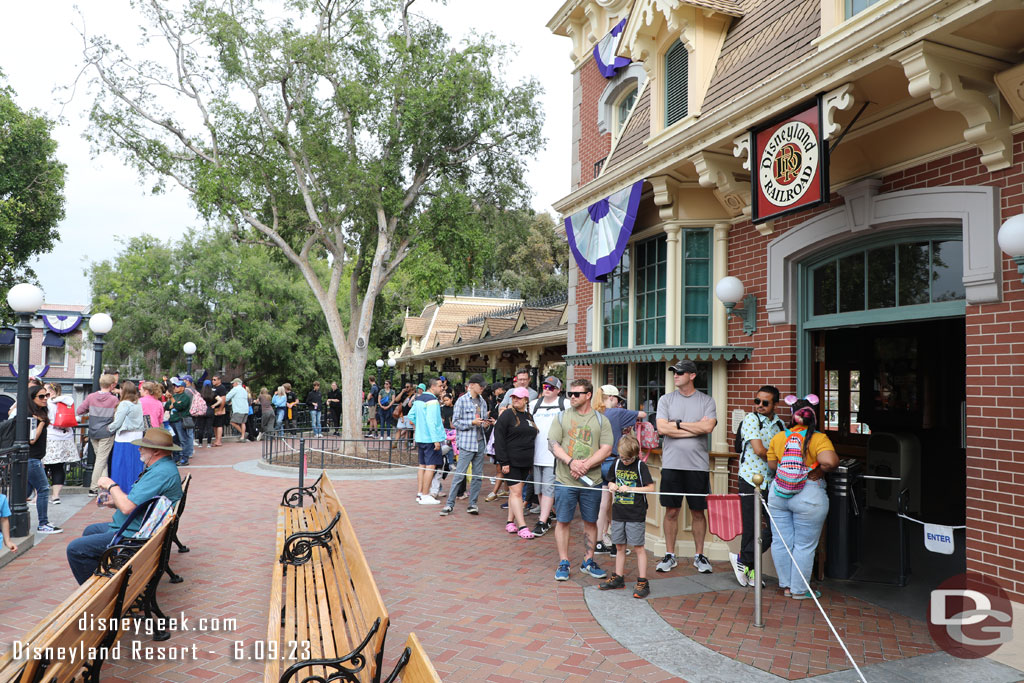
(428, 500)
(667, 563)
(512, 528)
(48, 529)
(504, 506)
(612, 582)
(445, 511)
(55, 501)
(473, 510)
(702, 564)
(603, 548)
(534, 509)
(806, 595)
(524, 532)
(738, 568)
(751, 579)
(94, 492)
(613, 551)
(590, 567)
(562, 573)
(503, 493)
(642, 588)
(541, 528)
(491, 497)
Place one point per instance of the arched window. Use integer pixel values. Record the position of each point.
(677, 80)
(623, 108)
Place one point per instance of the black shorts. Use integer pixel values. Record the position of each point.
(685, 481)
(220, 420)
(519, 474)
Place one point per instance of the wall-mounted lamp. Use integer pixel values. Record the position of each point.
(1011, 240)
(729, 291)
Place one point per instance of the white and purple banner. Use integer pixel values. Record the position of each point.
(604, 52)
(599, 234)
(62, 324)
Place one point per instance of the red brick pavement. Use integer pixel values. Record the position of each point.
(483, 603)
(796, 642)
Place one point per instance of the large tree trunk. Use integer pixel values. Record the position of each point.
(353, 363)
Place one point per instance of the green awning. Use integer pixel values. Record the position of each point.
(660, 354)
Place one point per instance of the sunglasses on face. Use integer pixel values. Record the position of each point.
(548, 387)
(682, 372)
(759, 402)
(576, 394)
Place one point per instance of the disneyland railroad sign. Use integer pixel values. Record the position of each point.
(791, 163)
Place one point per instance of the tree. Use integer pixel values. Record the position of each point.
(237, 303)
(31, 191)
(345, 135)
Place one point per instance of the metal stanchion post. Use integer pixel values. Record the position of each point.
(302, 460)
(758, 617)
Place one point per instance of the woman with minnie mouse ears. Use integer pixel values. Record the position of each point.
(799, 456)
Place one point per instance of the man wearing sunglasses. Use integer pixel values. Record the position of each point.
(685, 418)
(756, 432)
(580, 439)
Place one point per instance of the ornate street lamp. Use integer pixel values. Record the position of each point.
(25, 300)
(190, 349)
(100, 324)
(729, 291)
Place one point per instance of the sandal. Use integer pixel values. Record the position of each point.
(806, 596)
(524, 532)
(512, 528)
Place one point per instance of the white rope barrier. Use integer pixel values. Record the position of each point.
(810, 591)
(900, 514)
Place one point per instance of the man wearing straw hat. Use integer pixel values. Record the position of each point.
(159, 478)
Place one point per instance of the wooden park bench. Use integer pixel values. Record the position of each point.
(324, 598)
(179, 508)
(127, 578)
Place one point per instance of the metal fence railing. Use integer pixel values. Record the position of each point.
(334, 452)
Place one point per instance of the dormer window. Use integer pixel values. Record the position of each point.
(857, 6)
(677, 82)
(623, 108)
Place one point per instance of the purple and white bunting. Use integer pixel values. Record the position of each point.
(599, 234)
(604, 52)
(33, 370)
(62, 324)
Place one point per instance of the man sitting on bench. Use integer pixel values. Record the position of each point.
(159, 478)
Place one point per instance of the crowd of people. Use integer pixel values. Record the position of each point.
(557, 454)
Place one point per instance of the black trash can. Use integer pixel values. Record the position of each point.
(846, 501)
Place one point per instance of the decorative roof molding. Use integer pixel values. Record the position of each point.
(665, 188)
(727, 179)
(587, 22)
(835, 101)
(661, 354)
(963, 82)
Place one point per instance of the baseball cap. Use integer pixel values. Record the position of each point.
(610, 390)
(187, 378)
(520, 392)
(553, 381)
(477, 379)
(421, 386)
(207, 383)
(177, 382)
(685, 365)
(443, 378)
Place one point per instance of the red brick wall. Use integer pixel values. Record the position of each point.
(995, 365)
(593, 146)
(584, 297)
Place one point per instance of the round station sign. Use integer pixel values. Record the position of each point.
(791, 165)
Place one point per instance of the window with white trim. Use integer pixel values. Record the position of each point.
(623, 107)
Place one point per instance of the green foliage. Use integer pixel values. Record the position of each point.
(31, 192)
(240, 306)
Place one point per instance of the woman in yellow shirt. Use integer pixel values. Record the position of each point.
(797, 500)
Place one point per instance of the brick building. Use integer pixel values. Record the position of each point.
(891, 299)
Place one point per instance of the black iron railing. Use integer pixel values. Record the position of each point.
(328, 451)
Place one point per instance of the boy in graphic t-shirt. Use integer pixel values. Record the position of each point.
(630, 480)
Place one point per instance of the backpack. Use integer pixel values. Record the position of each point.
(647, 435)
(198, 408)
(791, 474)
(65, 417)
(600, 419)
(536, 405)
(738, 444)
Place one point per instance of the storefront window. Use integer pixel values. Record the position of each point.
(650, 386)
(617, 376)
(696, 313)
(651, 276)
(906, 274)
(615, 305)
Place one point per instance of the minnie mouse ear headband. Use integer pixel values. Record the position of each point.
(810, 398)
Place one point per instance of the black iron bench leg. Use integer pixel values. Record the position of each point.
(92, 669)
(151, 607)
(172, 577)
(182, 548)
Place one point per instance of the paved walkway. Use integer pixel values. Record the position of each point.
(483, 603)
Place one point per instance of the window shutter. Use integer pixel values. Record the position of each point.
(677, 72)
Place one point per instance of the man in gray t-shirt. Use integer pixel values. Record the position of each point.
(685, 418)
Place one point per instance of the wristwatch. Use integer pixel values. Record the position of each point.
(679, 424)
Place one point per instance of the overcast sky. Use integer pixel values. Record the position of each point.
(105, 200)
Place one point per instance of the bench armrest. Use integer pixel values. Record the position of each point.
(294, 497)
(358, 658)
(298, 548)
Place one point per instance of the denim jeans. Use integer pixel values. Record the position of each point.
(280, 420)
(84, 553)
(185, 437)
(37, 480)
(467, 458)
(797, 521)
(314, 416)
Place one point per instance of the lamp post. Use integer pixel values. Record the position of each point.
(25, 300)
(190, 349)
(1011, 240)
(100, 324)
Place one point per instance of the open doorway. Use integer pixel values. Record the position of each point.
(893, 398)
